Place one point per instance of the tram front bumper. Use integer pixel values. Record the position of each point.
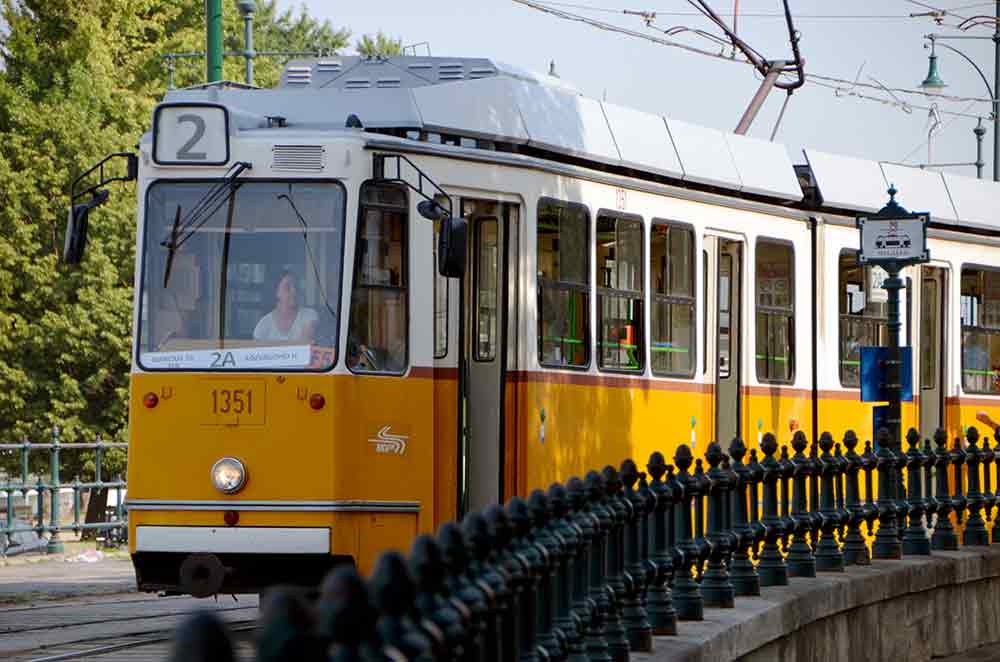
(205, 560)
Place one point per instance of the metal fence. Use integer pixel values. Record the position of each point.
(591, 569)
(15, 492)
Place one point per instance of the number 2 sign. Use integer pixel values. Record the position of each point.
(190, 134)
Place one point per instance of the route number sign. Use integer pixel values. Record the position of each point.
(193, 134)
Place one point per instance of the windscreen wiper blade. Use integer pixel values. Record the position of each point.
(203, 210)
(172, 247)
(287, 197)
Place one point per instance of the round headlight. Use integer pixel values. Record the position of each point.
(229, 475)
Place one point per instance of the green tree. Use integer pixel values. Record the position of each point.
(78, 81)
(378, 45)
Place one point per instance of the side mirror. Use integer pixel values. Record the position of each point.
(452, 245)
(76, 228)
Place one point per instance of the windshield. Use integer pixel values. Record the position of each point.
(253, 283)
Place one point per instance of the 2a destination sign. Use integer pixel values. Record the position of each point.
(898, 241)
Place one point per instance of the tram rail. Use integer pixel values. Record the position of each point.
(112, 628)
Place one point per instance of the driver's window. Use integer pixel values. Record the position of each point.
(377, 340)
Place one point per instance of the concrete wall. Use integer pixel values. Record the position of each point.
(913, 609)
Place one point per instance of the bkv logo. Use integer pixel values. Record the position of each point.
(392, 444)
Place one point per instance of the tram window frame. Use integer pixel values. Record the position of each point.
(441, 316)
(441, 321)
(582, 288)
(880, 322)
(991, 332)
(144, 321)
(704, 312)
(477, 281)
(637, 297)
(404, 275)
(787, 312)
(671, 298)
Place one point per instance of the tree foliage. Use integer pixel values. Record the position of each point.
(78, 81)
(378, 45)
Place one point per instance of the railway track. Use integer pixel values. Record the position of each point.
(115, 628)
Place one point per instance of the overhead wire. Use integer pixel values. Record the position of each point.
(940, 130)
(606, 10)
(831, 82)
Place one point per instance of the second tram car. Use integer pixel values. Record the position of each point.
(308, 388)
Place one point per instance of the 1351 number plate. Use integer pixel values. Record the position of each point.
(234, 403)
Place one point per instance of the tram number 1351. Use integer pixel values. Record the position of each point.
(232, 401)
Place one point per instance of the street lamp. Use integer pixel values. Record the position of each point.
(934, 83)
(247, 9)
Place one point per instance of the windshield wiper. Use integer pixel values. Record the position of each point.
(201, 212)
(173, 250)
(287, 197)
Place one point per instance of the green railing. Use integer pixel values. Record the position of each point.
(15, 492)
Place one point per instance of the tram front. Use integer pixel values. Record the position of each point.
(271, 330)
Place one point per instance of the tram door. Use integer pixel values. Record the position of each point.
(483, 353)
(728, 339)
(932, 353)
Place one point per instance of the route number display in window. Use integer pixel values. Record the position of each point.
(190, 134)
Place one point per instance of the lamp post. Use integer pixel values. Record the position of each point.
(933, 82)
(247, 9)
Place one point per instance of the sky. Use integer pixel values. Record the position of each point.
(630, 71)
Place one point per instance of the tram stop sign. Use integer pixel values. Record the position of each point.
(893, 237)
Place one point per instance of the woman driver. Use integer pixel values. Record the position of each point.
(288, 320)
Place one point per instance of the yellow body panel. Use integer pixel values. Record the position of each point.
(292, 453)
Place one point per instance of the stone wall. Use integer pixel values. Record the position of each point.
(915, 609)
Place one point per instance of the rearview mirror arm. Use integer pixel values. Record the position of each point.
(131, 173)
(379, 162)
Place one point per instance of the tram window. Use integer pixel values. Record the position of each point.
(980, 312)
(863, 314)
(486, 312)
(563, 288)
(619, 293)
(252, 284)
(672, 316)
(704, 312)
(775, 311)
(378, 333)
(440, 302)
(930, 310)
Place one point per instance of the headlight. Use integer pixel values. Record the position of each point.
(229, 475)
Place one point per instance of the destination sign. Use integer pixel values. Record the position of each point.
(243, 358)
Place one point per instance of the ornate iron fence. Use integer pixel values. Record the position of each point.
(591, 569)
(50, 492)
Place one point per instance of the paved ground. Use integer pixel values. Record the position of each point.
(54, 609)
(989, 653)
(24, 583)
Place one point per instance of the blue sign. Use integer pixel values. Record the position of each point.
(873, 374)
(880, 416)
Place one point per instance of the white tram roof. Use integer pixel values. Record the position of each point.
(487, 100)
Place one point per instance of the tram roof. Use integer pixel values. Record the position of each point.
(487, 100)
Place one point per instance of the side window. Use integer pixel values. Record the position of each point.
(980, 312)
(672, 316)
(378, 336)
(440, 302)
(563, 264)
(620, 343)
(775, 277)
(704, 312)
(486, 292)
(863, 315)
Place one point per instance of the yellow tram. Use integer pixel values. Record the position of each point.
(308, 388)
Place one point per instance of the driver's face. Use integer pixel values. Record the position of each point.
(286, 291)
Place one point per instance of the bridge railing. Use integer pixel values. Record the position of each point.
(591, 570)
(48, 488)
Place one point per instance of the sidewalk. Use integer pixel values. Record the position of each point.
(33, 577)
